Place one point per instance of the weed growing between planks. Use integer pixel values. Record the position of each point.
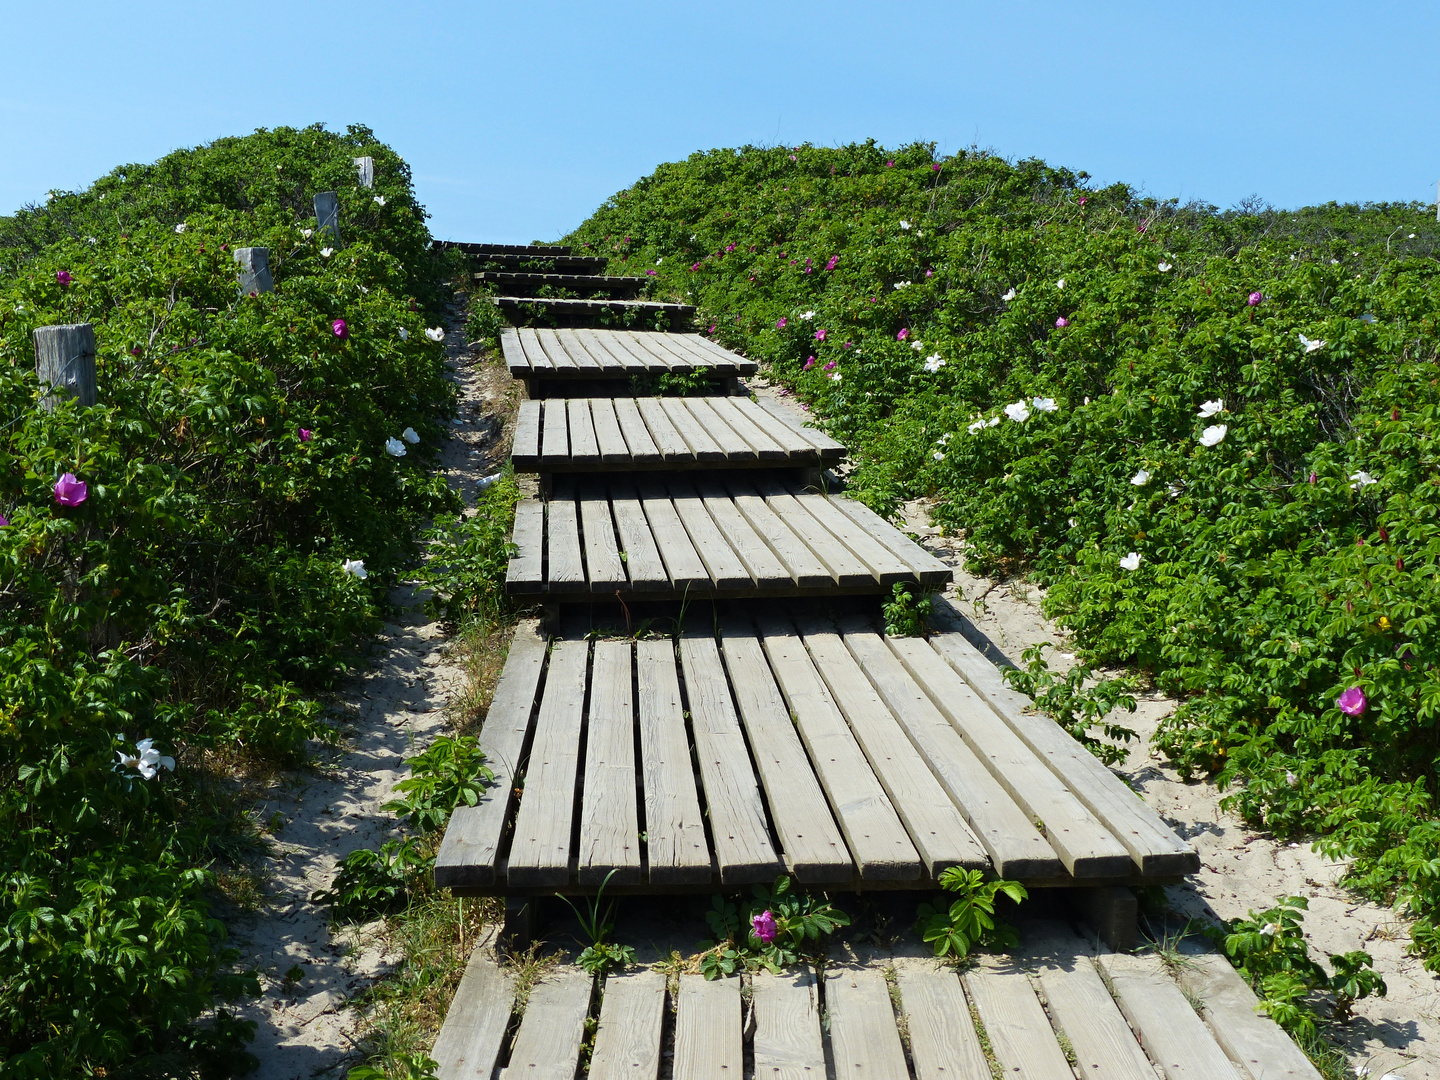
(1210, 436)
(244, 509)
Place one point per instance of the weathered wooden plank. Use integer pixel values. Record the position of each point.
(607, 432)
(709, 354)
(555, 433)
(811, 841)
(637, 544)
(540, 849)
(1081, 1007)
(877, 840)
(545, 353)
(757, 438)
(547, 1046)
(584, 449)
(525, 446)
(845, 568)
(564, 568)
(609, 818)
(627, 1043)
(725, 567)
(662, 430)
(707, 1030)
(1015, 846)
(650, 349)
(794, 441)
(943, 1042)
(609, 352)
(883, 564)
(637, 437)
(585, 359)
(787, 1026)
(604, 569)
(524, 573)
(702, 446)
(682, 561)
(1174, 1037)
(815, 435)
(1084, 845)
(731, 445)
(863, 1036)
(926, 567)
(516, 360)
(802, 564)
(1020, 1035)
(738, 827)
(472, 839)
(1153, 846)
(474, 1030)
(939, 832)
(1258, 1043)
(674, 830)
(760, 562)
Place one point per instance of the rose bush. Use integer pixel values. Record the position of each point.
(1272, 375)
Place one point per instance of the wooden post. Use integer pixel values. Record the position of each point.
(254, 270)
(327, 213)
(365, 166)
(65, 362)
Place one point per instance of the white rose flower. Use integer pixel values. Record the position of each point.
(394, 447)
(1213, 434)
(435, 333)
(326, 252)
(1311, 346)
(1211, 408)
(1044, 404)
(409, 436)
(1131, 561)
(180, 228)
(379, 200)
(404, 334)
(355, 568)
(1362, 479)
(1141, 478)
(1018, 411)
(1010, 295)
(934, 363)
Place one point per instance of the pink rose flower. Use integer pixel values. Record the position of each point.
(341, 330)
(830, 366)
(4, 521)
(70, 491)
(650, 273)
(903, 334)
(63, 278)
(820, 335)
(1352, 702)
(833, 260)
(935, 166)
(1254, 298)
(306, 434)
(1061, 323)
(764, 926)
(809, 363)
(780, 323)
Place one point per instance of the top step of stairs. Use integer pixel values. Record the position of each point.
(533, 251)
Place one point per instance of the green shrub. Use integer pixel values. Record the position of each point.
(969, 920)
(776, 928)
(1271, 576)
(469, 555)
(198, 596)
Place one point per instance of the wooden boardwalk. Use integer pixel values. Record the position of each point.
(624, 435)
(526, 282)
(579, 312)
(1116, 1017)
(667, 538)
(532, 353)
(829, 752)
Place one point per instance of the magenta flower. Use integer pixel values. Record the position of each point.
(830, 366)
(848, 345)
(935, 166)
(1254, 298)
(1083, 200)
(889, 164)
(820, 334)
(712, 329)
(929, 273)
(903, 334)
(695, 266)
(62, 277)
(306, 434)
(809, 363)
(1313, 478)
(4, 521)
(780, 323)
(70, 491)
(1352, 702)
(649, 273)
(833, 260)
(341, 330)
(729, 247)
(764, 926)
(1061, 323)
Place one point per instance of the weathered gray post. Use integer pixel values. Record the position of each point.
(327, 213)
(254, 270)
(365, 166)
(65, 363)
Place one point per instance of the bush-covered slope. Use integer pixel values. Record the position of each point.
(197, 596)
(1211, 435)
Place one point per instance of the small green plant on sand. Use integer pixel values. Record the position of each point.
(600, 956)
(775, 928)
(905, 613)
(969, 920)
(1078, 709)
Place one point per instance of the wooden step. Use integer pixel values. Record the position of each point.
(597, 354)
(522, 282)
(589, 312)
(604, 434)
(666, 538)
(527, 250)
(1019, 1018)
(767, 740)
(533, 260)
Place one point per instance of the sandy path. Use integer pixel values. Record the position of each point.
(1242, 869)
(388, 712)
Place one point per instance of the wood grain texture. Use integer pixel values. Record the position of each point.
(682, 561)
(637, 544)
(469, 1042)
(638, 440)
(707, 1030)
(1020, 1035)
(1105, 1047)
(1260, 1045)
(761, 564)
(524, 572)
(609, 817)
(525, 446)
(802, 564)
(675, 831)
(787, 1026)
(608, 435)
(584, 448)
(547, 1046)
(864, 1040)
(554, 433)
(943, 1043)
(627, 1043)
(723, 565)
(564, 564)
(604, 569)
(65, 363)
(662, 431)
(930, 570)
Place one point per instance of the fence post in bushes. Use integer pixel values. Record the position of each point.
(327, 213)
(365, 166)
(254, 270)
(65, 362)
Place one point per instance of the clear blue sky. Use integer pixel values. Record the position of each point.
(519, 118)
